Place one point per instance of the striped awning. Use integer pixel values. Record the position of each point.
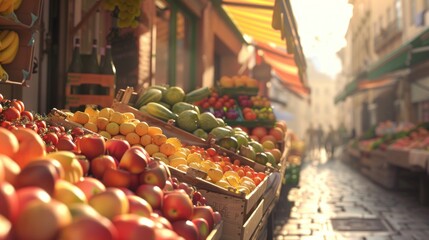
(254, 19)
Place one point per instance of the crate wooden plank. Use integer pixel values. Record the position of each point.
(398, 157)
(253, 221)
(238, 231)
(216, 233)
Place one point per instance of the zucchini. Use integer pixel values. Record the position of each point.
(151, 95)
(160, 112)
(197, 95)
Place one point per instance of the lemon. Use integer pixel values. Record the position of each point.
(183, 167)
(223, 183)
(177, 161)
(102, 123)
(154, 130)
(112, 128)
(132, 138)
(81, 117)
(151, 148)
(194, 157)
(233, 181)
(159, 139)
(126, 128)
(117, 117)
(167, 148)
(91, 126)
(176, 142)
(129, 115)
(145, 140)
(105, 134)
(177, 154)
(91, 111)
(141, 128)
(215, 174)
(105, 112)
(194, 165)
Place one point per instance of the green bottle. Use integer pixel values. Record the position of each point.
(76, 64)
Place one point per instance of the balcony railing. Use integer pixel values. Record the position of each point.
(385, 37)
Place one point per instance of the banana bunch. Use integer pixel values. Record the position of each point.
(129, 11)
(8, 6)
(9, 45)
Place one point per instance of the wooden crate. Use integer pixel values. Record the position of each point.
(216, 233)
(188, 138)
(241, 213)
(77, 79)
(379, 170)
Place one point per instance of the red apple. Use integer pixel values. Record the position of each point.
(9, 201)
(177, 206)
(134, 160)
(202, 227)
(90, 186)
(127, 191)
(110, 203)
(29, 194)
(84, 163)
(92, 146)
(11, 169)
(152, 194)
(79, 210)
(116, 178)
(131, 226)
(154, 176)
(205, 212)
(160, 221)
(139, 206)
(100, 164)
(166, 234)
(40, 220)
(94, 228)
(117, 147)
(39, 173)
(66, 144)
(186, 229)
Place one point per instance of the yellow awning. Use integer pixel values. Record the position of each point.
(254, 19)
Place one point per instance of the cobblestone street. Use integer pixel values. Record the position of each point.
(334, 201)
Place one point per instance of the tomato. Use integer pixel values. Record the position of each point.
(1, 97)
(240, 172)
(218, 105)
(212, 100)
(28, 115)
(51, 138)
(18, 105)
(206, 105)
(257, 180)
(1, 108)
(211, 151)
(5, 124)
(11, 114)
(41, 123)
(237, 162)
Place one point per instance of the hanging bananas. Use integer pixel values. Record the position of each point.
(8, 6)
(9, 46)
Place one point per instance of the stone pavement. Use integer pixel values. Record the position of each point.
(334, 201)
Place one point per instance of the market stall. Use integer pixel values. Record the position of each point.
(392, 152)
(125, 150)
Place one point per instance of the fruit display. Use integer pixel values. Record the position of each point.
(238, 81)
(101, 196)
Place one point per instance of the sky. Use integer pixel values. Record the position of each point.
(322, 25)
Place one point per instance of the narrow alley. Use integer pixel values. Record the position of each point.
(334, 201)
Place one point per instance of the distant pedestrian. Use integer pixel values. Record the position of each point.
(320, 134)
(311, 139)
(331, 141)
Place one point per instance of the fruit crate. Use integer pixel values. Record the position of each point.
(398, 157)
(77, 79)
(59, 118)
(187, 138)
(216, 233)
(241, 213)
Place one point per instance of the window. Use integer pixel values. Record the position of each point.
(413, 10)
(176, 47)
(398, 11)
